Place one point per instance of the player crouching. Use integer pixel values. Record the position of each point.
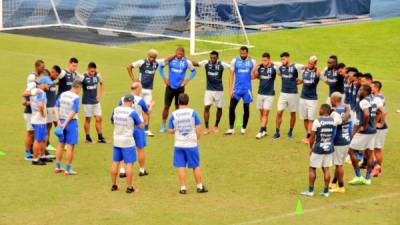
(322, 134)
(185, 124)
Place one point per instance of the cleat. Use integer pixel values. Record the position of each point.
(276, 137)
(103, 141)
(89, 140)
(261, 134)
(332, 186)
(149, 133)
(307, 193)
(357, 181)
(367, 181)
(182, 192)
(215, 129)
(202, 190)
(28, 156)
(306, 141)
(130, 190)
(338, 190)
(142, 174)
(58, 170)
(71, 172)
(38, 163)
(114, 187)
(324, 194)
(229, 132)
(290, 135)
(46, 160)
(163, 129)
(242, 131)
(206, 131)
(50, 148)
(122, 175)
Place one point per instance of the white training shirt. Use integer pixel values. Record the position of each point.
(124, 119)
(68, 102)
(184, 122)
(38, 99)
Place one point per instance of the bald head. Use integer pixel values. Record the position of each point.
(152, 55)
(136, 88)
(336, 99)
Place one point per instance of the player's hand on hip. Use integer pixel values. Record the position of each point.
(98, 98)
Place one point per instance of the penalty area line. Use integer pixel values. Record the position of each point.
(317, 209)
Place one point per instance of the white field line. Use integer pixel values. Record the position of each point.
(317, 209)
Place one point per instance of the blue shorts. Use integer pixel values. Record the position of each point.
(139, 135)
(40, 131)
(245, 95)
(186, 157)
(70, 133)
(127, 154)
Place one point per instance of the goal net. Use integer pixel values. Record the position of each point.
(206, 24)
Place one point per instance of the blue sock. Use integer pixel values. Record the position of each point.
(58, 165)
(311, 189)
(146, 127)
(368, 174)
(28, 154)
(68, 167)
(358, 172)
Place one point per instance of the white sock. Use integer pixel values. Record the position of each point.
(141, 169)
(121, 170)
(200, 186)
(183, 187)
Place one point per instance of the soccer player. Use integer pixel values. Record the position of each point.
(147, 69)
(38, 120)
(176, 81)
(124, 119)
(288, 98)
(185, 124)
(341, 141)
(91, 101)
(241, 68)
(309, 97)
(51, 95)
(67, 76)
(66, 111)
(323, 133)
(214, 91)
(381, 126)
(266, 73)
(332, 77)
(364, 133)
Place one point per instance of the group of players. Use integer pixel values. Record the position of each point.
(352, 120)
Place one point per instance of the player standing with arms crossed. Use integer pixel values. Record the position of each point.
(241, 68)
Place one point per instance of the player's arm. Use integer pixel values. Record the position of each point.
(56, 111)
(314, 129)
(380, 117)
(171, 127)
(323, 77)
(192, 74)
(197, 123)
(145, 110)
(136, 119)
(101, 90)
(254, 72)
(231, 77)
(42, 107)
(71, 115)
(346, 116)
(168, 58)
(112, 118)
(130, 68)
(162, 74)
(366, 117)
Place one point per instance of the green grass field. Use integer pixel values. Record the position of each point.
(250, 181)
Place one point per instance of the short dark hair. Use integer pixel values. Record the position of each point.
(326, 107)
(73, 60)
(183, 99)
(378, 84)
(180, 48)
(266, 55)
(358, 75)
(57, 68)
(333, 57)
(285, 54)
(39, 62)
(367, 88)
(368, 76)
(244, 48)
(341, 66)
(92, 65)
(352, 69)
(214, 53)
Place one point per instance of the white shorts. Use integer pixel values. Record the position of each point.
(28, 124)
(307, 109)
(51, 117)
(147, 95)
(380, 138)
(214, 98)
(363, 142)
(92, 110)
(289, 101)
(340, 155)
(321, 160)
(265, 101)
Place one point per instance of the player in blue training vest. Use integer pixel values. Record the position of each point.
(147, 69)
(67, 76)
(175, 84)
(321, 148)
(308, 103)
(51, 95)
(91, 98)
(265, 72)
(185, 124)
(364, 133)
(332, 77)
(240, 88)
(67, 108)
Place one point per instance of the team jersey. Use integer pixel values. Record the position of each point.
(89, 87)
(30, 84)
(242, 69)
(367, 103)
(214, 74)
(65, 80)
(289, 75)
(343, 131)
(124, 120)
(325, 128)
(177, 71)
(37, 99)
(139, 106)
(147, 70)
(267, 75)
(347, 91)
(380, 102)
(334, 79)
(354, 100)
(51, 96)
(310, 83)
(184, 122)
(68, 102)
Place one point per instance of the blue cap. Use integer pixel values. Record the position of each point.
(58, 131)
(45, 80)
(129, 98)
